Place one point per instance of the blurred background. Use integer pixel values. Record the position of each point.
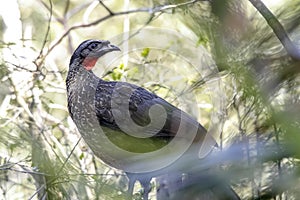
(254, 59)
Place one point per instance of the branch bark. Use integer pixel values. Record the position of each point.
(277, 28)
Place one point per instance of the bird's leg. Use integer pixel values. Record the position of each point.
(144, 179)
(132, 179)
(145, 182)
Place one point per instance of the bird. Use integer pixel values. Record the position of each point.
(106, 111)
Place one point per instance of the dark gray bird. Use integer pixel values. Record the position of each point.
(97, 108)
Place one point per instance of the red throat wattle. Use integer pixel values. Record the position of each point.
(89, 62)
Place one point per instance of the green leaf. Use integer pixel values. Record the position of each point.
(81, 156)
(145, 52)
(121, 66)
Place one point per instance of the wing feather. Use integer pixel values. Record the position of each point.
(140, 102)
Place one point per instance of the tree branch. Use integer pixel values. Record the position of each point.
(277, 28)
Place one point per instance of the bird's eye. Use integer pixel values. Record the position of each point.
(93, 45)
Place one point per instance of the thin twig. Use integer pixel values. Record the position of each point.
(37, 193)
(66, 8)
(16, 67)
(46, 36)
(106, 8)
(69, 156)
(65, 162)
(277, 28)
(151, 18)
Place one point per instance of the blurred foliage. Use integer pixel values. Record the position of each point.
(42, 156)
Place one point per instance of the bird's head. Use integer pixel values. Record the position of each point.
(89, 51)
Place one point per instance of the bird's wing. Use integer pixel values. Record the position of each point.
(139, 102)
(175, 119)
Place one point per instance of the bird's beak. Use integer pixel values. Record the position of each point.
(107, 47)
(112, 47)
